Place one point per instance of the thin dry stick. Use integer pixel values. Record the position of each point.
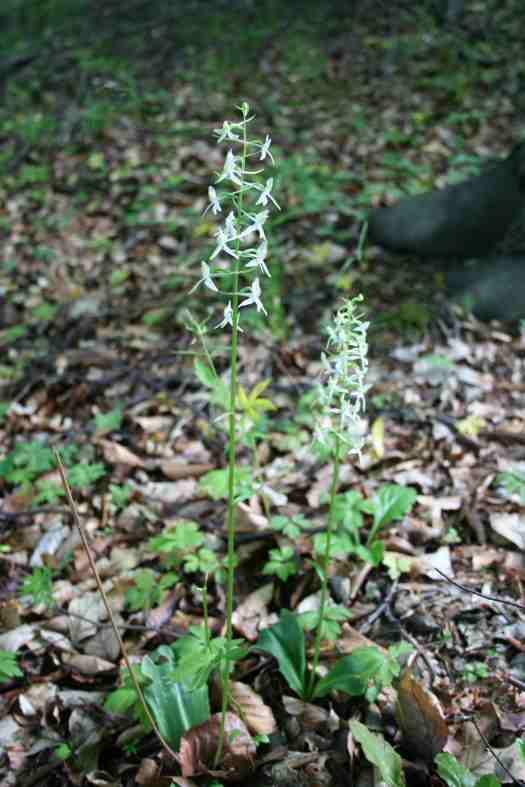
(481, 595)
(491, 750)
(109, 611)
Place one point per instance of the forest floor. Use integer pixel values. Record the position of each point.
(107, 152)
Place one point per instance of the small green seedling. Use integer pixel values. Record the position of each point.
(39, 585)
(149, 590)
(513, 481)
(282, 563)
(9, 666)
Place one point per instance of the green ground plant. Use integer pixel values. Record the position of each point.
(336, 406)
(39, 586)
(364, 673)
(389, 764)
(9, 666)
(25, 467)
(149, 590)
(513, 482)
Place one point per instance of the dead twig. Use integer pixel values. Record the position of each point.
(491, 750)
(514, 604)
(109, 611)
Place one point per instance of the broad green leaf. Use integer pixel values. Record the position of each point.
(392, 502)
(348, 510)
(205, 373)
(453, 772)
(184, 537)
(352, 674)
(285, 641)
(118, 276)
(379, 753)
(83, 475)
(197, 656)
(220, 391)
(175, 708)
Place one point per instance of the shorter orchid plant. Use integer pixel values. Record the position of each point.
(341, 396)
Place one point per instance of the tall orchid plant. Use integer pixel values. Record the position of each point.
(234, 270)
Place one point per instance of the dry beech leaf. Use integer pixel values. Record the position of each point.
(253, 611)
(257, 716)
(174, 470)
(198, 747)
(511, 527)
(148, 773)
(313, 717)
(420, 717)
(155, 423)
(120, 455)
(87, 665)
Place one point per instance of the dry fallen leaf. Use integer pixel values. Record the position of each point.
(175, 470)
(149, 773)
(253, 611)
(87, 665)
(313, 717)
(257, 716)
(199, 745)
(420, 717)
(119, 454)
(511, 527)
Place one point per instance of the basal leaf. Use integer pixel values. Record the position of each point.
(453, 772)
(352, 673)
(175, 708)
(285, 641)
(379, 753)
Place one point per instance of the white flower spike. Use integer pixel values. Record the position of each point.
(342, 394)
(229, 226)
(227, 131)
(231, 170)
(245, 202)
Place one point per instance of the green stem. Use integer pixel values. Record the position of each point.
(326, 561)
(232, 451)
(205, 613)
